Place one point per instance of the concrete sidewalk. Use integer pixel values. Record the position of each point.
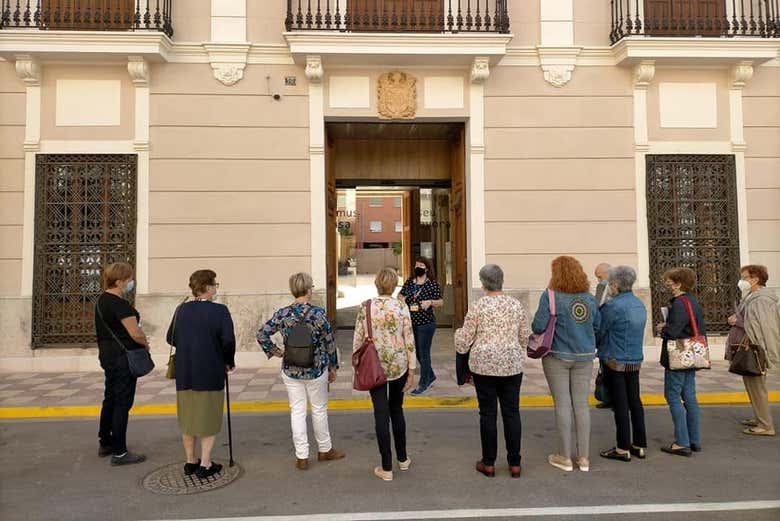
(46, 390)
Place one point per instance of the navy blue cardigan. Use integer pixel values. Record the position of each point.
(205, 343)
(678, 325)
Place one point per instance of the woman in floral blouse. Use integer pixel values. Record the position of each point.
(391, 326)
(311, 382)
(495, 333)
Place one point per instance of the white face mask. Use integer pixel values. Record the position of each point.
(743, 285)
(130, 286)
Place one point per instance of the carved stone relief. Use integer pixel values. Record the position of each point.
(397, 96)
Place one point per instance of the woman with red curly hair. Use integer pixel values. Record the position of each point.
(568, 366)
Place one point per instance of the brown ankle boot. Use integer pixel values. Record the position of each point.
(487, 470)
(332, 454)
(302, 464)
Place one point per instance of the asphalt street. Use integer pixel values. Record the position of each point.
(50, 471)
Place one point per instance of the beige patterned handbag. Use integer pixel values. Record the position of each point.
(692, 352)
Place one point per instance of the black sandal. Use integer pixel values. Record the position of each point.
(680, 451)
(191, 468)
(614, 454)
(639, 452)
(205, 473)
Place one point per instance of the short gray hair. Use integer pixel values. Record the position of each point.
(492, 277)
(623, 277)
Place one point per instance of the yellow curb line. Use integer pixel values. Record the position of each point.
(162, 409)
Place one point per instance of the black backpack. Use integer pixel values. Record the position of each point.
(298, 346)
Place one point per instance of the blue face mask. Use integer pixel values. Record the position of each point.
(130, 287)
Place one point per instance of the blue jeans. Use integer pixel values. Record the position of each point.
(680, 393)
(423, 337)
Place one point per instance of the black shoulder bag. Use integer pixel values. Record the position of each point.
(139, 360)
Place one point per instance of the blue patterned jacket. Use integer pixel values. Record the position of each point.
(324, 341)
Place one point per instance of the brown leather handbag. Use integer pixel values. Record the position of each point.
(747, 359)
(365, 361)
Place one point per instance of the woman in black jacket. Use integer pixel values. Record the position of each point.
(117, 324)
(202, 332)
(680, 385)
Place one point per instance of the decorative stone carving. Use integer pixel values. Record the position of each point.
(643, 74)
(228, 61)
(397, 95)
(741, 74)
(314, 70)
(558, 64)
(558, 75)
(138, 70)
(228, 73)
(480, 70)
(29, 70)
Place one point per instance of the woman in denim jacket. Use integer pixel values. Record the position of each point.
(568, 366)
(620, 350)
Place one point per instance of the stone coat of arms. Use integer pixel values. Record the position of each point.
(397, 96)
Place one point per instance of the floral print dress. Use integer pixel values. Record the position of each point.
(495, 331)
(391, 325)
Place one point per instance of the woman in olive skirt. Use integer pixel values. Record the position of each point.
(202, 332)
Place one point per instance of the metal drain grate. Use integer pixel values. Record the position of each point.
(171, 481)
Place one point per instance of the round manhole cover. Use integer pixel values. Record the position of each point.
(171, 481)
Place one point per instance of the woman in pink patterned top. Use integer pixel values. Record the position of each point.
(391, 326)
(495, 333)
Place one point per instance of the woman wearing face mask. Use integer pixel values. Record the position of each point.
(202, 332)
(620, 343)
(757, 317)
(422, 293)
(119, 324)
(680, 385)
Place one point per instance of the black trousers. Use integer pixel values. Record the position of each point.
(492, 390)
(388, 400)
(629, 413)
(117, 401)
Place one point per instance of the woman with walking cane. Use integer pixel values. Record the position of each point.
(202, 332)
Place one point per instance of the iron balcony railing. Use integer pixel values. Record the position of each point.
(87, 15)
(426, 16)
(713, 18)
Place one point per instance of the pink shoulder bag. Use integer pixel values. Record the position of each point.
(541, 343)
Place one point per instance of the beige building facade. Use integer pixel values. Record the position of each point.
(201, 138)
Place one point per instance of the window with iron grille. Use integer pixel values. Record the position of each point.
(85, 218)
(692, 222)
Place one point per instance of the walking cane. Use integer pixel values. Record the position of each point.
(230, 429)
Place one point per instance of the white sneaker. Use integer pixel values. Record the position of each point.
(384, 475)
(583, 464)
(404, 465)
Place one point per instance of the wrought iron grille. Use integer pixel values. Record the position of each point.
(85, 218)
(428, 16)
(88, 15)
(714, 18)
(692, 223)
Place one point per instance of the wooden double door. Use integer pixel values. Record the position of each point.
(395, 15)
(89, 15)
(685, 17)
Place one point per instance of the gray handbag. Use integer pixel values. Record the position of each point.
(139, 360)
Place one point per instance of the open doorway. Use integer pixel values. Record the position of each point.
(395, 192)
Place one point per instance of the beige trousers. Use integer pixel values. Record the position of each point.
(759, 398)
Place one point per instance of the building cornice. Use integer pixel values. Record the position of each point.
(55, 46)
(360, 49)
(341, 49)
(698, 51)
